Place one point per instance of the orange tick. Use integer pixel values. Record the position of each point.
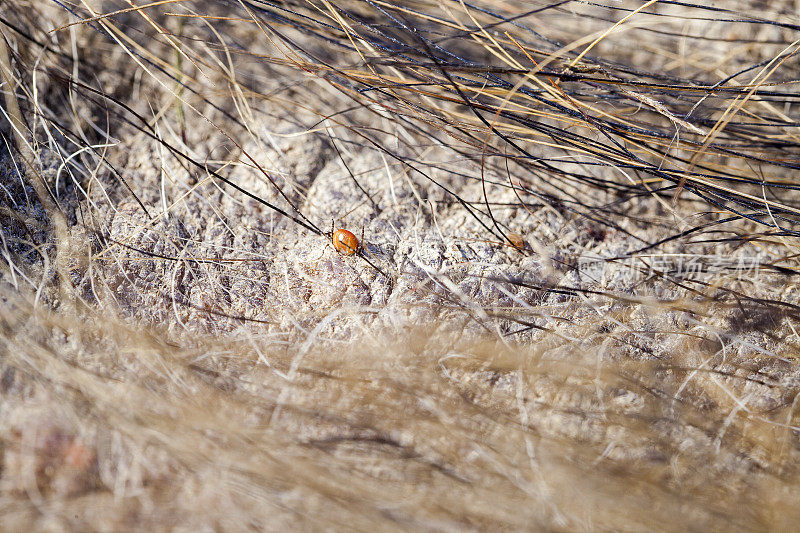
(516, 240)
(345, 242)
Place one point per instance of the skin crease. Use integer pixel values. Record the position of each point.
(345, 242)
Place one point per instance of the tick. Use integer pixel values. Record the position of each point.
(516, 240)
(345, 242)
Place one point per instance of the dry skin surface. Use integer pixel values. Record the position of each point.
(574, 306)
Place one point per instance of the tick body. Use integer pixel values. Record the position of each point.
(516, 240)
(345, 242)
